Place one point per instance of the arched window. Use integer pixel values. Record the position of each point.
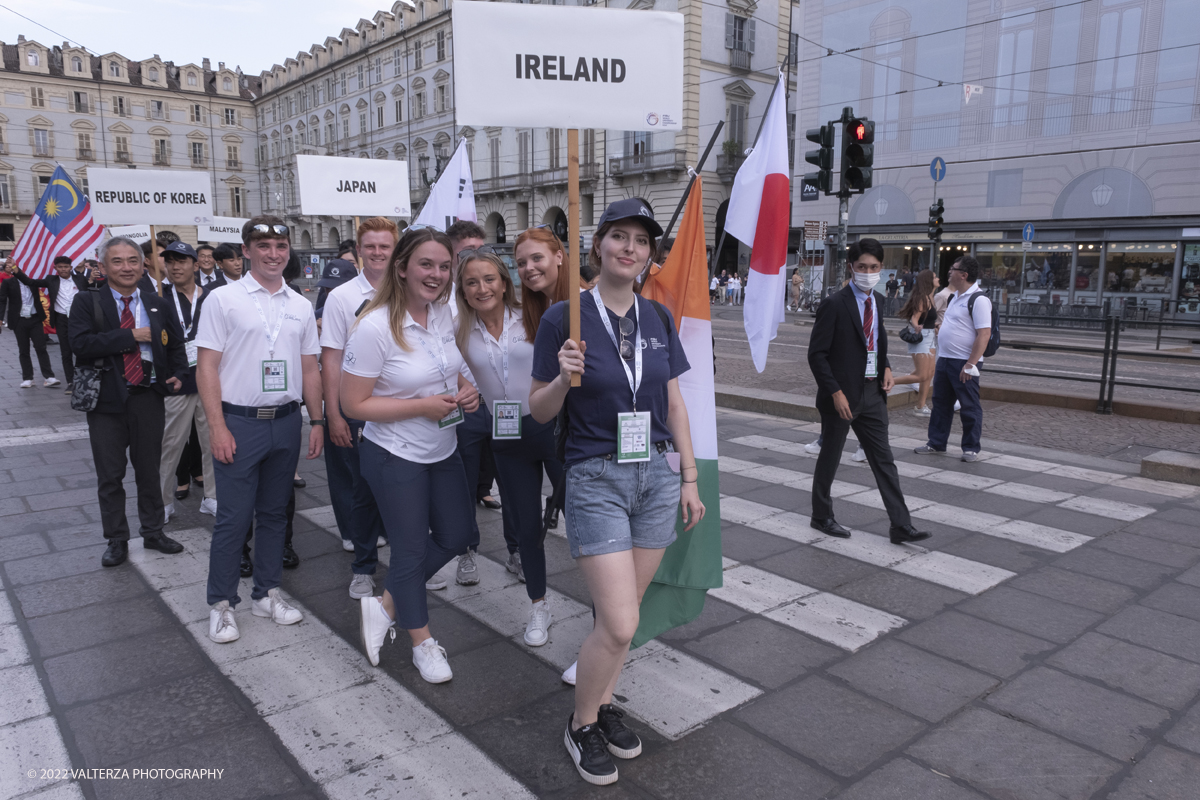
(77, 64)
(227, 84)
(191, 79)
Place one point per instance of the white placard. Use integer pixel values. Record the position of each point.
(150, 196)
(363, 187)
(227, 230)
(138, 233)
(569, 67)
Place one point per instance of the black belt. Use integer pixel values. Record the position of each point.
(661, 447)
(260, 412)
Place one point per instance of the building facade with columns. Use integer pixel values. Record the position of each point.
(65, 105)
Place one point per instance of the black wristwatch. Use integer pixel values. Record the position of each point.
(316, 422)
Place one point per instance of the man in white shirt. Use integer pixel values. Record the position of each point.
(354, 506)
(962, 338)
(257, 357)
(62, 288)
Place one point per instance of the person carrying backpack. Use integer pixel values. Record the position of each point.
(968, 332)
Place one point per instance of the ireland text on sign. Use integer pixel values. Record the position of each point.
(554, 68)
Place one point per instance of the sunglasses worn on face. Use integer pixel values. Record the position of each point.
(486, 249)
(626, 327)
(957, 269)
(277, 230)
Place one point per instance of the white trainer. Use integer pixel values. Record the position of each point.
(860, 455)
(569, 675)
(435, 584)
(222, 627)
(51, 382)
(374, 625)
(467, 573)
(430, 658)
(276, 608)
(209, 506)
(26, 384)
(537, 630)
(168, 512)
(362, 586)
(348, 545)
(813, 448)
(380, 542)
(957, 406)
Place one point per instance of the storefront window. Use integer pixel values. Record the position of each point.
(1189, 281)
(1139, 273)
(1087, 272)
(1000, 268)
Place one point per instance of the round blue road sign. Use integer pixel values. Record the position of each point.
(937, 168)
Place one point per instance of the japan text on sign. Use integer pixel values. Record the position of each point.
(150, 196)
(365, 187)
(222, 229)
(570, 67)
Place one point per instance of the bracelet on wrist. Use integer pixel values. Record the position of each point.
(316, 422)
(690, 481)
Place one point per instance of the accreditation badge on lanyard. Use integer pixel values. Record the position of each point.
(188, 344)
(633, 427)
(456, 416)
(274, 371)
(506, 414)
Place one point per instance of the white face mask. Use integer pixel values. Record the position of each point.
(866, 280)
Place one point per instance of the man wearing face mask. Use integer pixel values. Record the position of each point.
(847, 354)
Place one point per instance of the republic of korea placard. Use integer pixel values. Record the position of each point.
(227, 230)
(363, 187)
(150, 196)
(568, 67)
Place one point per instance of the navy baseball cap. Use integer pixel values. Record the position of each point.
(631, 208)
(337, 271)
(180, 248)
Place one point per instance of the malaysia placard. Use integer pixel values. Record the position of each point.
(150, 196)
(567, 67)
(362, 187)
(226, 230)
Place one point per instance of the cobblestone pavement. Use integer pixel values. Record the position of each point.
(1076, 431)
(1046, 644)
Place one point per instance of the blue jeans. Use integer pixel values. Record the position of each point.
(519, 465)
(475, 430)
(354, 505)
(946, 389)
(256, 486)
(427, 510)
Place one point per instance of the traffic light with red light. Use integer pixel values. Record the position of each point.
(858, 155)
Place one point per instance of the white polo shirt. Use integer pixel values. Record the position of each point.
(233, 326)
(493, 361)
(956, 337)
(340, 305)
(372, 352)
(66, 295)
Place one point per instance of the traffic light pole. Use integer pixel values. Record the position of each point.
(843, 242)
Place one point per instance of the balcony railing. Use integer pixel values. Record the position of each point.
(233, 163)
(739, 59)
(86, 154)
(727, 166)
(558, 176)
(504, 183)
(643, 163)
(161, 160)
(124, 157)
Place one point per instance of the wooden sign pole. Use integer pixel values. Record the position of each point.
(154, 268)
(357, 258)
(573, 246)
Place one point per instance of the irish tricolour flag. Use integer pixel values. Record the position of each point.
(692, 565)
(759, 207)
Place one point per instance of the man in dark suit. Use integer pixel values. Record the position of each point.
(144, 359)
(62, 288)
(208, 277)
(847, 353)
(26, 317)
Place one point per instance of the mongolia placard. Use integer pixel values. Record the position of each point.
(363, 187)
(150, 196)
(138, 233)
(222, 229)
(568, 67)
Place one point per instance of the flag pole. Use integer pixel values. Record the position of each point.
(573, 234)
(154, 261)
(688, 191)
(358, 262)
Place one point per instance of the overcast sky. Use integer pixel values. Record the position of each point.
(252, 33)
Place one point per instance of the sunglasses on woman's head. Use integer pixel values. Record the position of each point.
(486, 249)
(625, 347)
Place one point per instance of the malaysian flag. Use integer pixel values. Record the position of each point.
(61, 226)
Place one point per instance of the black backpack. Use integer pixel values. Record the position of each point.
(994, 339)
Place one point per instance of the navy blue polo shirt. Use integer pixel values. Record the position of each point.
(604, 390)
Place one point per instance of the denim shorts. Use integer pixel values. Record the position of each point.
(613, 507)
(924, 346)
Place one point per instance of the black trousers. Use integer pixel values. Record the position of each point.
(64, 345)
(191, 460)
(140, 431)
(870, 424)
(30, 329)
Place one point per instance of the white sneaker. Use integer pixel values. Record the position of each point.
(569, 675)
(435, 584)
(208, 506)
(537, 630)
(467, 573)
(51, 382)
(380, 542)
(275, 607)
(860, 455)
(26, 384)
(813, 448)
(168, 512)
(514, 566)
(430, 659)
(957, 406)
(922, 411)
(373, 626)
(222, 627)
(362, 586)
(348, 545)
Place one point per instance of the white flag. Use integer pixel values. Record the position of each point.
(453, 196)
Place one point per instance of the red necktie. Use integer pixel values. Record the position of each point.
(868, 324)
(133, 361)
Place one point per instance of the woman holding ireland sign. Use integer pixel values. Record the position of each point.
(628, 440)
(404, 375)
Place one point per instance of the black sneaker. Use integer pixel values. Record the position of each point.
(622, 742)
(589, 751)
